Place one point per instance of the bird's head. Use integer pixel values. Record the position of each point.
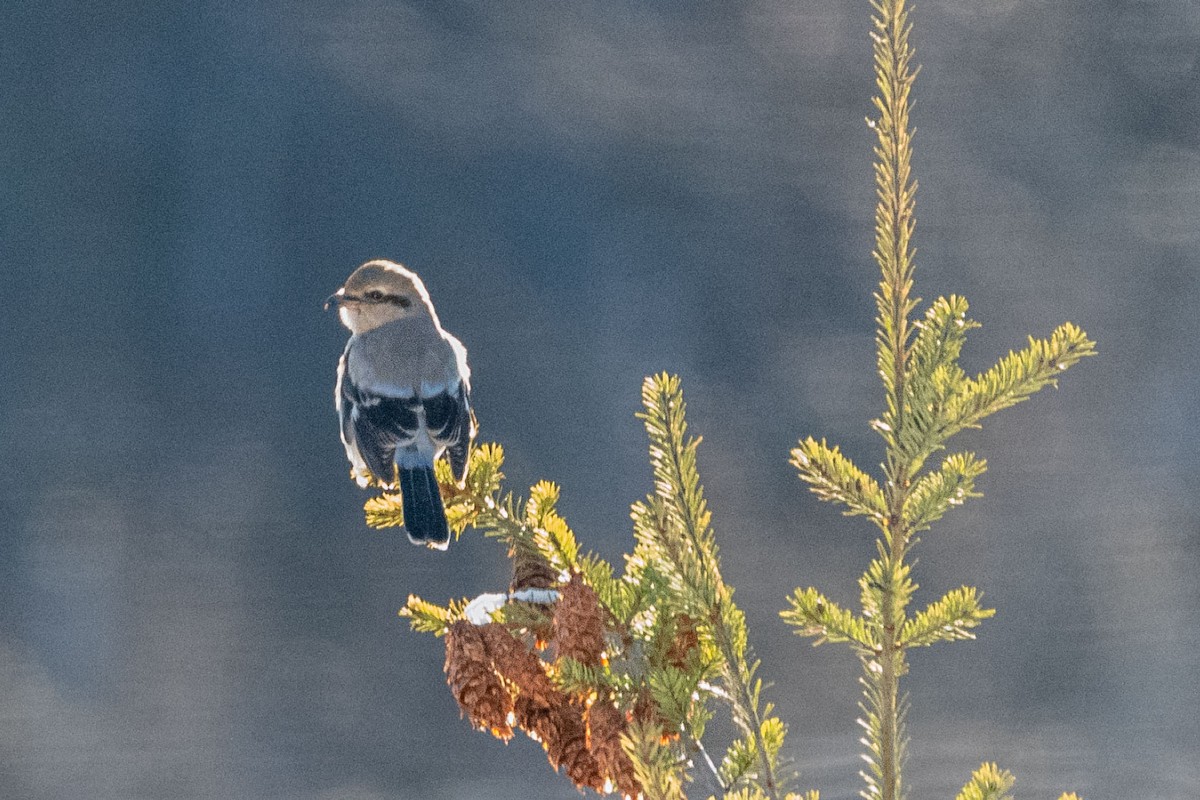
(377, 293)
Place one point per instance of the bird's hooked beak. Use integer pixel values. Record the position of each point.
(337, 298)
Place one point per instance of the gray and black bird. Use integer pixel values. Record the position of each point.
(403, 393)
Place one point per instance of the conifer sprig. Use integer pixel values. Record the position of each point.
(815, 615)
(989, 782)
(927, 399)
(677, 524)
(429, 617)
(654, 762)
(895, 189)
(951, 617)
(895, 221)
(833, 477)
(938, 490)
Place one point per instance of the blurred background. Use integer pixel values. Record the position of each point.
(190, 603)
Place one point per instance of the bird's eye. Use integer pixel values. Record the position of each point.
(374, 294)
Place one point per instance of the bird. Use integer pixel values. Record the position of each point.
(403, 393)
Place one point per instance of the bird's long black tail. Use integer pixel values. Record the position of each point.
(424, 514)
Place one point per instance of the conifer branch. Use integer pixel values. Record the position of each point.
(932, 379)
(464, 504)
(816, 615)
(989, 782)
(738, 761)
(834, 478)
(894, 223)
(622, 698)
(742, 755)
(928, 398)
(672, 690)
(939, 341)
(676, 523)
(752, 793)
(947, 619)
(894, 188)
(654, 763)
(1018, 375)
(547, 531)
(688, 530)
(429, 617)
(940, 489)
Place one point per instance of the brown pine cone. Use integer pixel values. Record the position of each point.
(519, 666)
(530, 571)
(567, 747)
(579, 623)
(534, 718)
(605, 725)
(480, 693)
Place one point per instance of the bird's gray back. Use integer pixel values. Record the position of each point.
(403, 358)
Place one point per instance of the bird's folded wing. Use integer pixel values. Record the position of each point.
(374, 426)
(448, 419)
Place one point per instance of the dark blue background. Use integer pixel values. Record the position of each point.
(190, 604)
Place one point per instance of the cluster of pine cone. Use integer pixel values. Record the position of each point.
(501, 683)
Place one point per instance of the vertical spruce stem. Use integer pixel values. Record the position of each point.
(893, 229)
